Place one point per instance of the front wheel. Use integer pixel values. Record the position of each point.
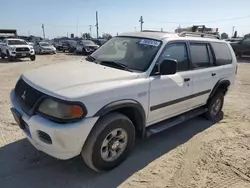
(215, 105)
(84, 51)
(109, 143)
(32, 57)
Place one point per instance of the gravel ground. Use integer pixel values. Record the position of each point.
(194, 154)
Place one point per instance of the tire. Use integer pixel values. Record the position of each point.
(91, 152)
(215, 105)
(33, 58)
(10, 58)
(2, 55)
(84, 51)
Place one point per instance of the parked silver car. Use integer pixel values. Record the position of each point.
(86, 47)
(44, 48)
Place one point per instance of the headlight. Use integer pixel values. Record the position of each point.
(31, 48)
(12, 48)
(60, 111)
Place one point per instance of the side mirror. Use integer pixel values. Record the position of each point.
(168, 67)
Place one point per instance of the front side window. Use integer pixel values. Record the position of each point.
(199, 55)
(134, 53)
(178, 52)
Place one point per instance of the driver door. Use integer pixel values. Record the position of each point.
(169, 94)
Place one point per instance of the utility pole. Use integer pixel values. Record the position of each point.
(77, 26)
(90, 30)
(141, 21)
(233, 31)
(43, 31)
(97, 27)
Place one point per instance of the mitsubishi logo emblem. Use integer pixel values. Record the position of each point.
(23, 95)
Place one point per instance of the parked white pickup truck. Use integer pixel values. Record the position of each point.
(16, 48)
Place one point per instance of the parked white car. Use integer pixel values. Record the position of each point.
(86, 47)
(44, 48)
(16, 48)
(95, 108)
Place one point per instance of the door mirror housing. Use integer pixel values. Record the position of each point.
(168, 67)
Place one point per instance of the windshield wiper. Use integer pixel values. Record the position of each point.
(121, 65)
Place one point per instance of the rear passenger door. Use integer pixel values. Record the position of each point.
(205, 72)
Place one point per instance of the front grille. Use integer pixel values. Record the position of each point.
(26, 95)
(22, 49)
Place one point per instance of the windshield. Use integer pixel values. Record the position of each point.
(135, 53)
(17, 42)
(44, 44)
(87, 42)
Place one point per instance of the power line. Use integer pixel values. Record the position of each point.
(211, 21)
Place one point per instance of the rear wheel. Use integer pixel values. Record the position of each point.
(109, 143)
(215, 105)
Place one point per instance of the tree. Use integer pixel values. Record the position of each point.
(106, 36)
(224, 36)
(86, 36)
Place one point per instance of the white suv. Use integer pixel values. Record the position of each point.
(136, 84)
(16, 48)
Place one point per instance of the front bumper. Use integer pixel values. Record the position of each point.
(21, 54)
(67, 140)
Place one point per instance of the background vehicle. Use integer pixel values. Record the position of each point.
(241, 47)
(16, 48)
(99, 42)
(44, 48)
(86, 47)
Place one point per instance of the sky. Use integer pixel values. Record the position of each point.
(61, 17)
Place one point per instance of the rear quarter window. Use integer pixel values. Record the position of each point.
(222, 53)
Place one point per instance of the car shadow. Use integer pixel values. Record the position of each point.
(244, 59)
(13, 61)
(73, 54)
(21, 165)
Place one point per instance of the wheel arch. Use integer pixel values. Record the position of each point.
(220, 85)
(131, 108)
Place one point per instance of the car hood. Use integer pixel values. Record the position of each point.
(19, 46)
(75, 79)
(47, 47)
(90, 45)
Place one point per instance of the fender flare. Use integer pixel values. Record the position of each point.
(217, 85)
(122, 104)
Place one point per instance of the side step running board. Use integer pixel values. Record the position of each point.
(166, 124)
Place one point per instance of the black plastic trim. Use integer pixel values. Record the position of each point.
(217, 85)
(162, 105)
(121, 104)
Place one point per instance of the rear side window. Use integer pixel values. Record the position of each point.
(222, 53)
(199, 55)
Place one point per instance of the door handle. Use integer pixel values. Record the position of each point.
(186, 79)
(213, 74)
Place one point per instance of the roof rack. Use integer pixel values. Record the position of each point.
(198, 34)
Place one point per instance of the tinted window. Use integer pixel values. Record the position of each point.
(199, 55)
(178, 52)
(222, 53)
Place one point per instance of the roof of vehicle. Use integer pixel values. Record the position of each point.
(157, 35)
(13, 39)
